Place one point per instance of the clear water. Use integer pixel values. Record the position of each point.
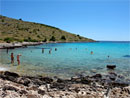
(70, 59)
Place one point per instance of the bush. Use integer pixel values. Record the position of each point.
(8, 39)
(38, 36)
(79, 36)
(63, 37)
(20, 40)
(20, 19)
(35, 30)
(29, 39)
(52, 38)
(45, 40)
(34, 40)
(2, 20)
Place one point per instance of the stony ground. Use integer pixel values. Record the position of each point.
(14, 86)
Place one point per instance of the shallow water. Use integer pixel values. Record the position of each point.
(70, 59)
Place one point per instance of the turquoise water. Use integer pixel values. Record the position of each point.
(70, 59)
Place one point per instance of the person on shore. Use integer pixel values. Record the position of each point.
(18, 60)
(42, 50)
(91, 52)
(12, 58)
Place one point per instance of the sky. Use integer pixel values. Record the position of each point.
(96, 19)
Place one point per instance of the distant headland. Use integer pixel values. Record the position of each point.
(17, 30)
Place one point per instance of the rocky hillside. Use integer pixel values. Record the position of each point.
(18, 30)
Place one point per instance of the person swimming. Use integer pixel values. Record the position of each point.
(12, 58)
(18, 60)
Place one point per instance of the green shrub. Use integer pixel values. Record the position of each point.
(52, 38)
(20, 40)
(34, 40)
(3, 32)
(38, 36)
(20, 19)
(35, 30)
(79, 36)
(29, 39)
(2, 20)
(63, 37)
(24, 29)
(53, 32)
(8, 39)
(45, 40)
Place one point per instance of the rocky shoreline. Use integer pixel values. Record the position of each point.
(25, 44)
(18, 45)
(12, 85)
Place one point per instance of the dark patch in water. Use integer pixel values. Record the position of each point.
(99, 68)
(128, 56)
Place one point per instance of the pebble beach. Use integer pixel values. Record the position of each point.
(12, 85)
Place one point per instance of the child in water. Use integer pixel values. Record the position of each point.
(18, 60)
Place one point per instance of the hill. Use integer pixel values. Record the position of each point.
(18, 30)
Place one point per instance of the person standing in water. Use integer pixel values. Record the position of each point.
(12, 58)
(55, 49)
(91, 52)
(18, 60)
(42, 50)
(7, 50)
(50, 51)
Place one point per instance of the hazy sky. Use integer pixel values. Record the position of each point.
(96, 19)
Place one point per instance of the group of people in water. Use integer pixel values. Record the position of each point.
(18, 58)
(49, 50)
(56, 50)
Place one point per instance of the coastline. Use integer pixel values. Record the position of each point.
(25, 44)
(96, 86)
(13, 45)
(18, 45)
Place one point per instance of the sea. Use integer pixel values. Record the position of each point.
(66, 60)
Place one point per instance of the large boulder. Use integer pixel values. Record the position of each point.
(46, 79)
(111, 66)
(11, 76)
